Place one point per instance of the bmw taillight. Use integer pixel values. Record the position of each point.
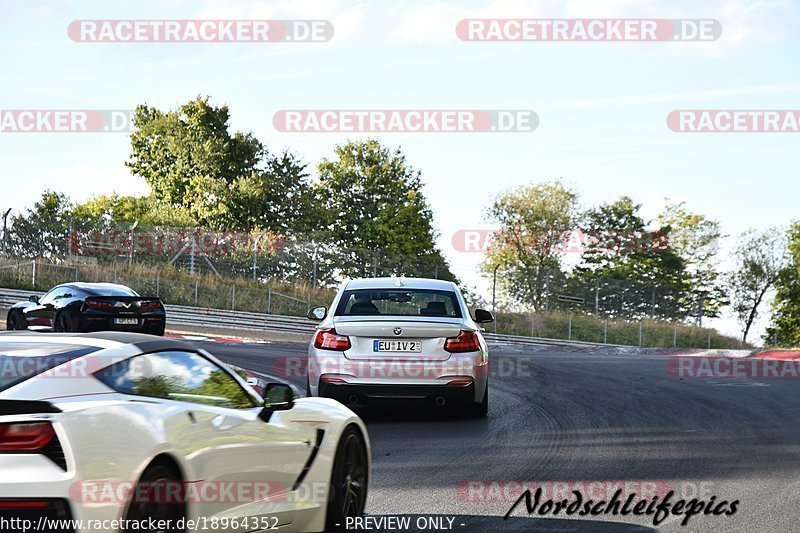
(467, 341)
(328, 339)
(98, 304)
(25, 436)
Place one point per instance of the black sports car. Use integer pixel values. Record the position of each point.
(89, 307)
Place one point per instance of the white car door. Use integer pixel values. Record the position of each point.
(244, 467)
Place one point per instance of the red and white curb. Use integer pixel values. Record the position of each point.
(203, 338)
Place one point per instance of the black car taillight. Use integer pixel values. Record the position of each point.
(150, 305)
(98, 304)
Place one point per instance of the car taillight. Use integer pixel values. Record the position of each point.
(328, 339)
(25, 436)
(467, 341)
(150, 305)
(98, 304)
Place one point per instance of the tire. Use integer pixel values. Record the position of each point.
(16, 321)
(63, 323)
(349, 478)
(480, 410)
(156, 481)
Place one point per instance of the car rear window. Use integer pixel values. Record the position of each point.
(399, 302)
(20, 361)
(113, 291)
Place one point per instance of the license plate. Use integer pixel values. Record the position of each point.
(126, 321)
(397, 346)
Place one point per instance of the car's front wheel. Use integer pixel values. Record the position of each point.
(348, 492)
(16, 321)
(63, 323)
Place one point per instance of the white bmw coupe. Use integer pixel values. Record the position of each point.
(129, 432)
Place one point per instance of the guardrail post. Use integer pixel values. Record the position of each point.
(675, 336)
(33, 274)
(196, 288)
(709, 339)
(533, 329)
(605, 331)
(158, 284)
(569, 333)
(269, 300)
(233, 297)
(640, 333)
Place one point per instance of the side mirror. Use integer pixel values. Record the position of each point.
(482, 316)
(277, 397)
(318, 313)
(34, 299)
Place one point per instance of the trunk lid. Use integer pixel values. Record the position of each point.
(429, 332)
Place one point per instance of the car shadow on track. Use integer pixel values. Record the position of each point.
(496, 524)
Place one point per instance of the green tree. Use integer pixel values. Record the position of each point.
(629, 269)
(42, 231)
(527, 250)
(375, 214)
(759, 259)
(785, 321)
(695, 239)
(192, 161)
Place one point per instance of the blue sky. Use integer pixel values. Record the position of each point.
(602, 106)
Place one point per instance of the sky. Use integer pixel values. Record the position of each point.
(602, 106)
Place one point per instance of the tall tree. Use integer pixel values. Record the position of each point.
(629, 269)
(532, 221)
(202, 172)
(785, 322)
(376, 214)
(759, 258)
(695, 239)
(42, 231)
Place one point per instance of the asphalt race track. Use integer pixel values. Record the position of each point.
(577, 418)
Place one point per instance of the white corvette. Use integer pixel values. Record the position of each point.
(129, 432)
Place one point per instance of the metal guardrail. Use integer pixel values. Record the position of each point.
(224, 319)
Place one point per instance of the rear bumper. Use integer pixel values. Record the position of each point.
(29, 514)
(153, 325)
(372, 393)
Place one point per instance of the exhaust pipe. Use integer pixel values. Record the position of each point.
(440, 401)
(352, 399)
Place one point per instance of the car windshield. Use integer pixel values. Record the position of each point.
(20, 361)
(399, 302)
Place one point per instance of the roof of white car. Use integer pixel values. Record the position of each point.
(394, 283)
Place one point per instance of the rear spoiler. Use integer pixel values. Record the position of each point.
(26, 407)
(123, 298)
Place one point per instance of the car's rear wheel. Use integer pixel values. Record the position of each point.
(480, 410)
(16, 321)
(63, 323)
(348, 495)
(158, 496)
